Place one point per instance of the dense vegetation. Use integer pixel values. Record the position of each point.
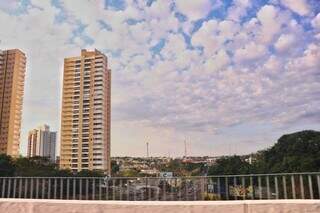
(230, 166)
(37, 166)
(296, 152)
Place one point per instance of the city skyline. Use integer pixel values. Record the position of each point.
(227, 76)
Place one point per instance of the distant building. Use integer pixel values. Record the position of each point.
(42, 142)
(12, 75)
(85, 117)
(250, 159)
(150, 171)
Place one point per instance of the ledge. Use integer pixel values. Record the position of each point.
(77, 206)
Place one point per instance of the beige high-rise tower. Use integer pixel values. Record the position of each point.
(12, 74)
(85, 117)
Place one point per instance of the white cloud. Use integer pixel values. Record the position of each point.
(140, 32)
(309, 60)
(160, 9)
(160, 28)
(212, 35)
(86, 11)
(273, 65)
(41, 4)
(227, 29)
(316, 22)
(270, 23)
(194, 10)
(298, 6)
(174, 46)
(250, 52)
(285, 42)
(9, 5)
(217, 62)
(238, 9)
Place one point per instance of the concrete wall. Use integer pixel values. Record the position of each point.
(74, 206)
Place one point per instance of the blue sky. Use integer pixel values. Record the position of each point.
(230, 77)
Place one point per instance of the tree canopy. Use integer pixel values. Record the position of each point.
(37, 167)
(6, 166)
(296, 152)
(230, 165)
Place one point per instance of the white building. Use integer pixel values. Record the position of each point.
(42, 142)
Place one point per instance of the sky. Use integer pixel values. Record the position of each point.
(227, 76)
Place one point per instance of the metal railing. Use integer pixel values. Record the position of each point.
(224, 187)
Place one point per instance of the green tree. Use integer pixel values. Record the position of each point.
(296, 152)
(35, 166)
(230, 166)
(88, 173)
(7, 167)
(115, 168)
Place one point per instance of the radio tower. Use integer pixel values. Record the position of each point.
(185, 148)
(147, 149)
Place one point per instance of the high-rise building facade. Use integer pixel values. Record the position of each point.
(12, 75)
(42, 142)
(86, 111)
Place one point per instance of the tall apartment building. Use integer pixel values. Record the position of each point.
(12, 74)
(85, 117)
(42, 142)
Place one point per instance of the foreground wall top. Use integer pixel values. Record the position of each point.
(66, 206)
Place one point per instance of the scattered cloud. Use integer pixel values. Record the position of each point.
(9, 5)
(285, 42)
(217, 62)
(300, 7)
(238, 9)
(180, 68)
(250, 52)
(316, 22)
(270, 19)
(194, 10)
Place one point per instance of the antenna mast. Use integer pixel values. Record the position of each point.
(185, 148)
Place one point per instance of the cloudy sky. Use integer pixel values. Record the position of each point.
(228, 76)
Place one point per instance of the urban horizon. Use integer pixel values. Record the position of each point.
(228, 82)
